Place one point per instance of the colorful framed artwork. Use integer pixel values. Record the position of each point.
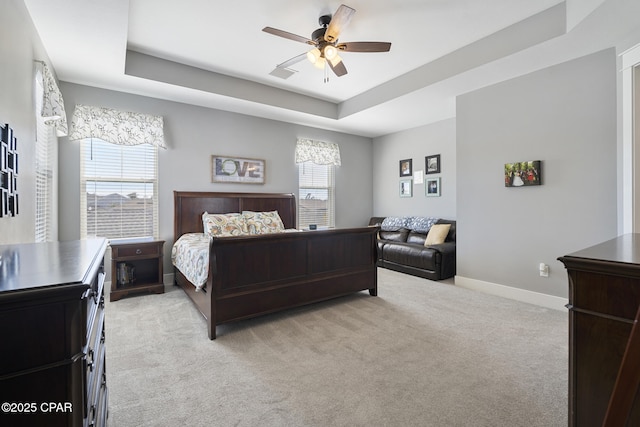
(406, 168)
(523, 174)
(432, 187)
(432, 164)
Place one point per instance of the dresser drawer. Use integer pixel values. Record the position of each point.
(96, 341)
(139, 250)
(102, 410)
(93, 305)
(96, 388)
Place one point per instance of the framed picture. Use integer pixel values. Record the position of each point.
(406, 188)
(237, 170)
(406, 167)
(432, 187)
(432, 164)
(523, 174)
(8, 172)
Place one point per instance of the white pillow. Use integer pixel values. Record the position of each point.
(437, 234)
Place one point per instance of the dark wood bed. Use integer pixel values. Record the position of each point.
(254, 275)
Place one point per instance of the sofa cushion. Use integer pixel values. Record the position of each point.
(411, 255)
(437, 234)
(416, 238)
(395, 236)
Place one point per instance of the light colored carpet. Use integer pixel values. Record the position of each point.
(422, 353)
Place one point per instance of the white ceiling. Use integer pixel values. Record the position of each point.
(215, 54)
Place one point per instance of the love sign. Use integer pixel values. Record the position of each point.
(237, 170)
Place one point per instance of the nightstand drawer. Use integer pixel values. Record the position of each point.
(151, 249)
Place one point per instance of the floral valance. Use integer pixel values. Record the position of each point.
(116, 127)
(52, 102)
(318, 152)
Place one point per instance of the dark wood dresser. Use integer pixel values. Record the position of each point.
(604, 295)
(52, 351)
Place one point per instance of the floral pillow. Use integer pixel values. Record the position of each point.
(224, 225)
(263, 222)
(394, 223)
(421, 224)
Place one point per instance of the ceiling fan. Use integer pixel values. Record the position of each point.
(325, 42)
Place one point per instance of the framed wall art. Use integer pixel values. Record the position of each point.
(432, 164)
(237, 170)
(8, 172)
(406, 168)
(523, 174)
(406, 188)
(432, 187)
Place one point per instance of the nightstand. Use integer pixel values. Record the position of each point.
(136, 266)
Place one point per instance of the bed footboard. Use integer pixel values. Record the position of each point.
(263, 274)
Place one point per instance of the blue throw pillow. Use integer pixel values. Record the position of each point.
(421, 224)
(394, 223)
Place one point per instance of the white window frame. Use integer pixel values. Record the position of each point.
(89, 148)
(321, 182)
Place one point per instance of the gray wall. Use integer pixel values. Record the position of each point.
(565, 116)
(415, 144)
(193, 134)
(19, 46)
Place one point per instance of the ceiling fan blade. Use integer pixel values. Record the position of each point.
(365, 46)
(292, 61)
(287, 35)
(339, 21)
(337, 66)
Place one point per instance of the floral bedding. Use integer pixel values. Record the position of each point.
(190, 255)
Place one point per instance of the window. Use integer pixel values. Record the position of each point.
(316, 195)
(119, 190)
(45, 140)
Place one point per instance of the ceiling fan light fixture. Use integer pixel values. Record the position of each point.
(330, 51)
(314, 55)
(325, 43)
(320, 63)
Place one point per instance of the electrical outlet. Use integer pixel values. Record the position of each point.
(544, 270)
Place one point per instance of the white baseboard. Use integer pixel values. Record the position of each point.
(537, 298)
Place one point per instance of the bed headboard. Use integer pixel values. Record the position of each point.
(190, 205)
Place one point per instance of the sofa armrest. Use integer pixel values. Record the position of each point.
(445, 248)
(448, 256)
(376, 220)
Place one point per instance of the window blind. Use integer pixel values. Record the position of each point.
(119, 190)
(316, 195)
(45, 140)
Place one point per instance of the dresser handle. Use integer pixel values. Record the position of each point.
(90, 363)
(138, 251)
(92, 416)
